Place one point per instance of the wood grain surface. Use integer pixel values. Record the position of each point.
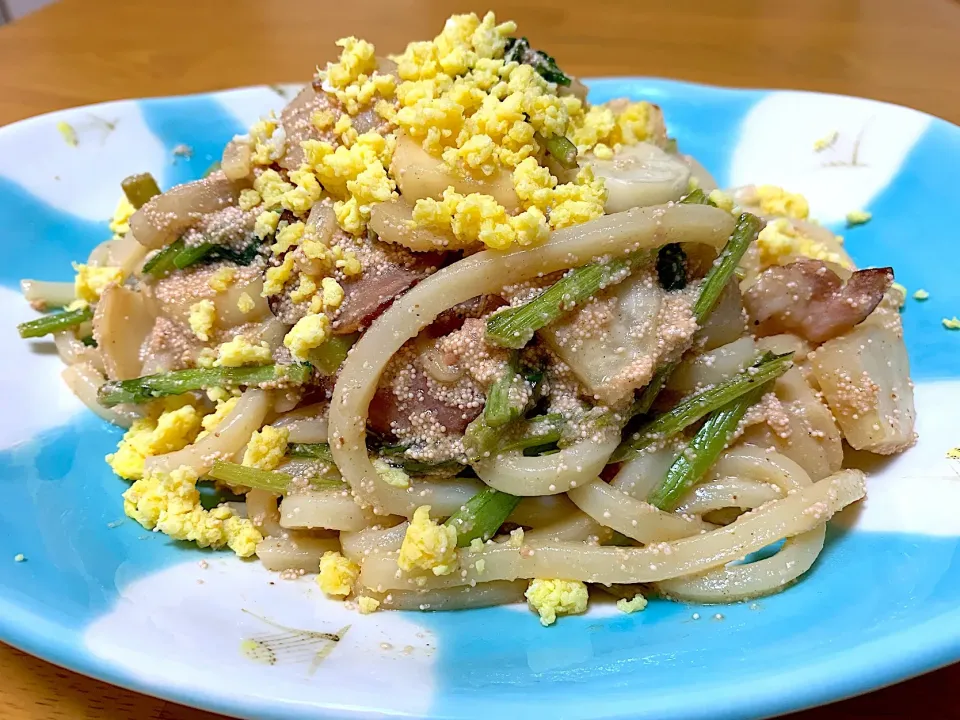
(84, 51)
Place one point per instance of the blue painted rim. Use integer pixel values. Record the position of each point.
(897, 656)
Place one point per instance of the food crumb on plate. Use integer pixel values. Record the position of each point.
(921, 294)
(826, 141)
(858, 217)
(19, 557)
(951, 323)
(68, 134)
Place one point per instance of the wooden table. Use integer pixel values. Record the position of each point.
(83, 51)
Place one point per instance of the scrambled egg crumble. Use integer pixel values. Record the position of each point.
(337, 574)
(826, 141)
(91, 281)
(120, 222)
(222, 279)
(310, 332)
(921, 295)
(635, 604)
(202, 317)
(266, 448)
(367, 605)
(170, 503)
(777, 201)
(780, 241)
(245, 303)
(68, 134)
(858, 217)
(224, 407)
(465, 104)
(172, 430)
(551, 598)
(428, 545)
(240, 351)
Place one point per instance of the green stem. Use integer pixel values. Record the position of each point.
(703, 450)
(316, 451)
(514, 327)
(482, 516)
(328, 358)
(161, 263)
(500, 408)
(57, 322)
(714, 282)
(562, 150)
(150, 387)
(233, 474)
(139, 189)
(689, 410)
(535, 432)
(697, 197)
(192, 254)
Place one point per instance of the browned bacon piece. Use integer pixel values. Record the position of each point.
(808, 299)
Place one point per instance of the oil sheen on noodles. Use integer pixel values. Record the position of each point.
(486, 272)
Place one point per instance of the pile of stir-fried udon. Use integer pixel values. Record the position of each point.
(452, 336)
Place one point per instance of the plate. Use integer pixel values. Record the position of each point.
(98, 594)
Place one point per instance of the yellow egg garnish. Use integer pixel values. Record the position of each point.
(777, 201)
(120, 222)
(266, 448)
(202, 317)
(91, 281)
(172, 430)
(240, 351)
(337, 574)
(310, 332)
(170, 503)
(551, 598)
(428, 546)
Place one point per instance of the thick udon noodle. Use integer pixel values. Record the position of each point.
(580, 512)
(680, 554)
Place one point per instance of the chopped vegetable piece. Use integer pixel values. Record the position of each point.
(858, 217)
(242, 257)
(745, 232)
(536, 432)
(499, 409)
(704, 449)
(330, 356)
(482, 516)
(562, 150)
(191, 255)
(396, 455)
(139, 189)
(515, 326)
(162, 263)
(318, 451)
(480, 440)
(694, 407)
(519, 50)
(672, 267)
(233, 474)
(150, 387)
(89, 341)
(697, 197)
(54, 323)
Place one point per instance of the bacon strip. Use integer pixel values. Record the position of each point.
(808, 299)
